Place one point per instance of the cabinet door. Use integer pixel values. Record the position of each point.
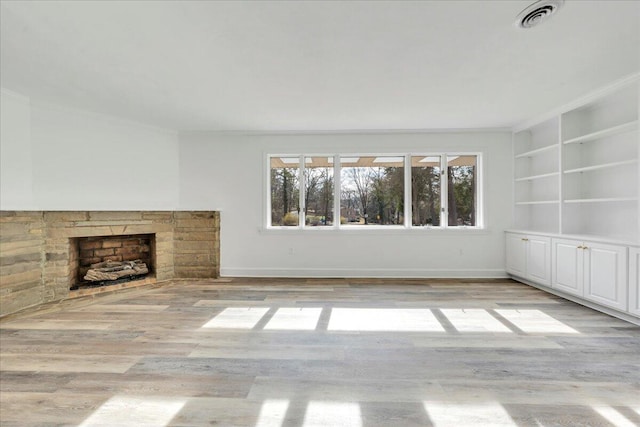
(605, 278)
(539, 259)
(516, 249)
(634, 281)
(566, 260)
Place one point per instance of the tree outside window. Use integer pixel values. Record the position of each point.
(285, 191)
(372, 190)
(318, 191)
(461, 185)
(425, 190)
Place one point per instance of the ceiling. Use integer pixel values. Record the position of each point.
(321, 66)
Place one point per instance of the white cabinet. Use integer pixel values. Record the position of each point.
(539, 259)
(595, 271)
(605, 276)
(528, 256)
(634, 281)
(567, 266)
(516, 254)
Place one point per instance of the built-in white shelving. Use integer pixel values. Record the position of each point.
(599, 183)
(537, 175)
(578, 172)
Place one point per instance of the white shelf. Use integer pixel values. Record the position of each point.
(602, 200)
(534, 177)
(614, 130)
(602, 166)
(536, 151)
(539, 202)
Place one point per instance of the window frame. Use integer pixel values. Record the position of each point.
(337, 185)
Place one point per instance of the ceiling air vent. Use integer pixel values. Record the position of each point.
(538, 12)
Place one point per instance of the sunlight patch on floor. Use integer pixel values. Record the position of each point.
(272, 413)
(384, 319)
(335, 414)
(443, 414)
(614, 416)
(294, 318)
(237, 318)
(138, 411)
(535, 321)
(473, 320)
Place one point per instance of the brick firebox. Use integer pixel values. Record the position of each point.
(92, 250)
(39, 257)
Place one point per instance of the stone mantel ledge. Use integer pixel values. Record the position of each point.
(118, 222)
(90, 230)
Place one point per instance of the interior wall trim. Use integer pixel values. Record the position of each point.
(408, 273)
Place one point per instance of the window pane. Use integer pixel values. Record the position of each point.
(285, 190)
(318, 195)
(372, 190)
(461, 176)
(425, 190)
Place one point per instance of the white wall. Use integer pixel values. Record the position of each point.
(51, 157)
(76, 160)
(16, 190)
(226, 172)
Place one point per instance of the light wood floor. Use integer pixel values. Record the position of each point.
(320, 353)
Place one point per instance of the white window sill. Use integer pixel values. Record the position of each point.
(377, 229)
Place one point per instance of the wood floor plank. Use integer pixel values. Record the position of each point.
(65, 363)
(97, 348)
(159, 384)
(277, 352)
(125, 308)
(58, 324)
(31, 409)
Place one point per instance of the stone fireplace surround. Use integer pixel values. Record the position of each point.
(39, 256)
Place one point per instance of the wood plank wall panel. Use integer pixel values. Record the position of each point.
(21, 260)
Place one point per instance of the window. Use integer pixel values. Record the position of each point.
(365, 191)
(285, 191)
(425, 190)
(372, 190)
(318, 191)
(461, 185)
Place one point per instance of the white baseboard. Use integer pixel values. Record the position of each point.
(407, 273)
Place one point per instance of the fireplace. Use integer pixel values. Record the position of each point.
(43, 254)
(101, 251)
